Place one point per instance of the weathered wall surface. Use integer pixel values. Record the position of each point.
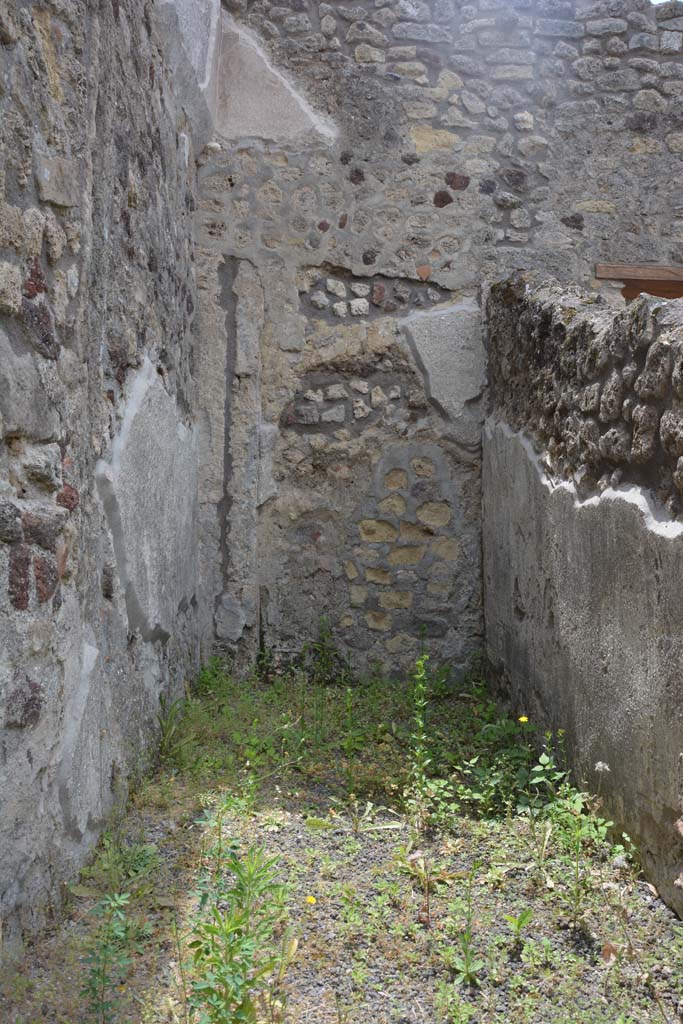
(224, 445)
(374, 165)
(583, 587)
(351, 474)
(98, 463)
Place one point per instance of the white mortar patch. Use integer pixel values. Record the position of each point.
(655, 518)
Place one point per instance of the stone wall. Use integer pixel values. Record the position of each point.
(480, 137)
(391, 159)
(600, 390)
(98, 451)
(583, 573)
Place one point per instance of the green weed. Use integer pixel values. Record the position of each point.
(107, 959)
(237, 962)
(518, 923)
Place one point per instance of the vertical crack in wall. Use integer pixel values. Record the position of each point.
(239, 302)
(227, 272)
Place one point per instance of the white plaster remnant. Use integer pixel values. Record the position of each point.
(654, 517)
(256, 100)
(191, 30)
(148, 489)
(448, 346)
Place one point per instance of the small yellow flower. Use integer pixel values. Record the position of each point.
(522, 718)
(312, 900)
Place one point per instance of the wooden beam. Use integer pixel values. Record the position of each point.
(637, 272)
(662, 289)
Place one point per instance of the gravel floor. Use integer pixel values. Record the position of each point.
(379, 914)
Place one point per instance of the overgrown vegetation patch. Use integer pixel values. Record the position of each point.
(318, 849)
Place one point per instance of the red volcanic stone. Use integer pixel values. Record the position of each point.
(424, 272)
(24, 705)
(35, 282)
(442, 199)
(378, 294)
(38, 321)
(324, 226)
(19, 566)
(42, 528)
(343, 220)
(47, 577)
(68, 497)
(514, 178)
(458, 182)
(574, 220)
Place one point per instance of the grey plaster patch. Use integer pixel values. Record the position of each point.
(149, 490)
(80, 758)
(581, 608)
(267, 486)
(448, 346)
(231, 619)
(58, 180)
(24, 405)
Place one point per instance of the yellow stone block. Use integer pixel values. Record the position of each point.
(365, 54)
(434, 514)
(426, 139)
(401, 644)
(647, 146)
(395, 480)
(408, 555)
(423, 467)
(377, 531)
(448, 80)
(396, 599)
(380, 576)
(366, 554)
(411, 531)
(379, 621)
(359, 596)
(394, 505)
(446, 548)
(596, 206)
